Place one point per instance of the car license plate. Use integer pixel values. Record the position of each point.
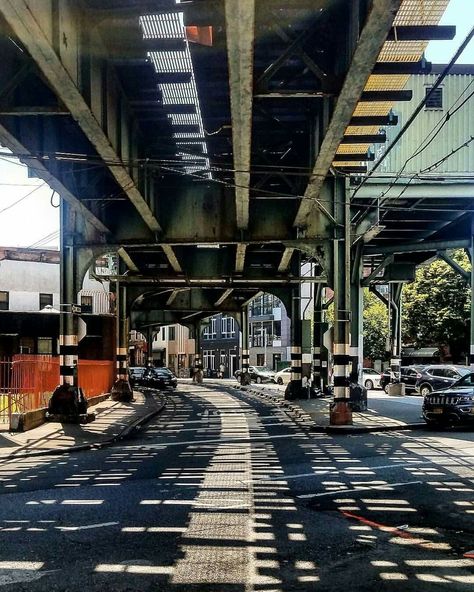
(437, 410)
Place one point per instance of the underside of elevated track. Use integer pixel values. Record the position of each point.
(218, 145)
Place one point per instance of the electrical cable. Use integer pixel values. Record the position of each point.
(420, 106)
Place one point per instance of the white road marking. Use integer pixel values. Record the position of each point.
(330, 470)
(230, 440)
(363, 488)
(86, 527)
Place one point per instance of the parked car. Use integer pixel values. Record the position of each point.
(371, 378)
(452, 405)
(159, 378)
(283, 376)
(259, 374)
(438, 377)
(135, 375)
(408, 375)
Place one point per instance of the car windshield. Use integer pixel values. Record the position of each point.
(466, 380)
(261, 369)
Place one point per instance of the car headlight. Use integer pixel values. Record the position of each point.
(465, 400)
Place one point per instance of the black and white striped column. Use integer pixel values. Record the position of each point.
(296, 360)
(121, 363)
(317, 365)
(68, 359)
(341, 368)
(245, 360)
(395, 364)
(355, 366)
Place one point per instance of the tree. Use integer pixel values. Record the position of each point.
(436, 307)
(375, 326)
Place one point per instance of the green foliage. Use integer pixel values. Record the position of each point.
(436, 307)
(375, 326)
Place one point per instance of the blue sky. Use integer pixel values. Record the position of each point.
(34, 218)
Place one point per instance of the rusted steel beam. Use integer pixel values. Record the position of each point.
(377, 25)
(240, 22)
(26, 28)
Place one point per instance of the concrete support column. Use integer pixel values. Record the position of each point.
(340, 412)
(121, 390)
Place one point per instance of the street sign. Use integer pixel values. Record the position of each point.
(76, 308)
(81, 330)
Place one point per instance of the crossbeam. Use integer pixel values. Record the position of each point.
(240, 22)
(377, 25)
(22, 22)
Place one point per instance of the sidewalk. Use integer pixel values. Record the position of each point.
(384, 413)
(113, 420)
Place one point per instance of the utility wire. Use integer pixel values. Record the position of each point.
(419, 107)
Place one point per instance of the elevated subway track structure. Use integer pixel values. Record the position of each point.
(211, 144)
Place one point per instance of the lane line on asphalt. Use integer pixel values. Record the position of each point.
(86, 527)
(229, 440)
(330, 470)
(354, 489)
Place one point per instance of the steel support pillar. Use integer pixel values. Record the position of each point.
(357, 307)
(68, 402)
(244, 350)
(317, 335)
(149, 340)
(294, 389)
(471, 349)
(340, 411)
(121, 391)
(395, 306)
(198, 364)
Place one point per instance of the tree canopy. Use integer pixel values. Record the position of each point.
(436, 307)
(375, 326)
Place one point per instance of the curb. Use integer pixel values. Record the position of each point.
(125, 433)
(349, 430)
(368, 429)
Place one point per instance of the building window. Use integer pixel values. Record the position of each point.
(227, 327)
(260, 359)
(171, 333)
(436, 99)
(86, 303)
(210, 332)
(163, 333)
(45, 345)
(45, 300)
(4, 300)
(209, 359)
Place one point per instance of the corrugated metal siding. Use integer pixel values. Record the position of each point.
(459, 128)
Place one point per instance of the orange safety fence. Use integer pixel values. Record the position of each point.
(28, 381)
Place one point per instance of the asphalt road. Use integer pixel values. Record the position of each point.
(224, 492)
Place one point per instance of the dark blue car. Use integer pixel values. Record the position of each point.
(437, 377)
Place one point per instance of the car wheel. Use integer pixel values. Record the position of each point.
(369, 385)
(280, 380)
(258, 379)
(425, 389)
(385, 388)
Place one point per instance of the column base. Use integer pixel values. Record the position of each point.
(68, 405)
(340, 413)
(121, 391)
(245, 379)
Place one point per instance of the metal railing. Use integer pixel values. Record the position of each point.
(28, 381)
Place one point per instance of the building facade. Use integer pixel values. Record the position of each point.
(220, 346)
(172, 347)
(30, 305)
(269, 332)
